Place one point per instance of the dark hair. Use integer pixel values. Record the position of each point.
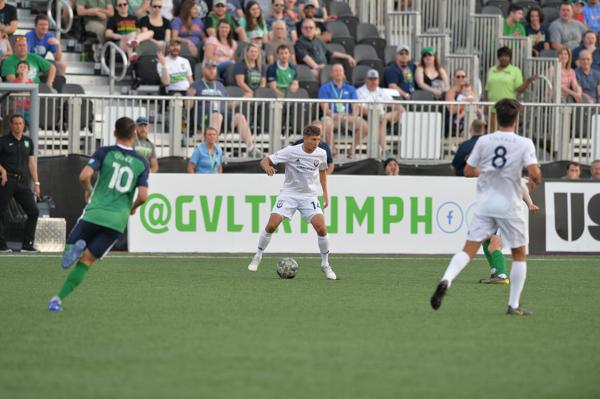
(252, 23)
(387, 162)
(514, 8)
(504, 51)
(311, 130)
(507, 111)
(40, 17)
(125, 128)
(436, 62)
(23, 62)
(185, 14)
(283, 47)
(15, 116)
(477, 126)
(539, 11)
(573, 163)
(229, 35)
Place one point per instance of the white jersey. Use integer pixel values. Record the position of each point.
(301, 170)
(501, 157)
(179, 70)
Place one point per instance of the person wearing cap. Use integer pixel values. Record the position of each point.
(219, 12)
(464, 149)
(143, 145)
(8, 19)
(36, 63)
(250, 73)
(338, 114)
(591, 15)
(320, 14)
(254, 23)
(400, 74)
(430, 75)
(578, 6)
(175, 72)
(282, 76)
(566, 31)
(124, 30)
(95, 13)
(372, 93)
(212, 113)
(512, 24)
(309, 12)
(312, 52)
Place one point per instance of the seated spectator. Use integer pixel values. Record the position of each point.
(309, 12)
(123, 29)
(207, 157)
(138, 8)
(5, 47)
(235, 9)
(167, 10)
(279, 37)
(578, 10)
(591, 14)
(143, 146)
(589, 43)
(573, 171)
(323, 145)
(565, 31)
(430, 75)
(278, 15)
(292, 10)
(175, 72)
(23, 104)
(219, 12)
(391, 167)
(188, 27)
(42, 42)
(388, 113)
(536, 30)
(595, 170)
(320, 14)
(400, 75)
(312, 52)
(339, 114)
(8, 18)
(464, 149)
(281, 75)
(512, 24)
(250, 73)
(254, 23)
(211, 113)
(36, 63)
(570, 91)
(157, 24)
(588, 79)
(221, 48)
(95, 13)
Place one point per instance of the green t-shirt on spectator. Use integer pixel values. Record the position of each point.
(36, 63)
(510, 30)
(503, 83)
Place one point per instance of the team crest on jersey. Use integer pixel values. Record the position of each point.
(316, 163)
(279, 203)
(26, 144)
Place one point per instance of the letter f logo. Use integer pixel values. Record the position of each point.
(450, 216)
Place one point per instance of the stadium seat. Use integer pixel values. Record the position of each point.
(264, 92)
(340, 34)
(87, 108)
(351, 23)
(390, 54)
(325, 75)
(304, 73)
(147, 47)
(422, 95)
(492, 10)
(367, 34)
(339, 8)
(298, 114)
(146, 70)
(364, 30)
(551, 3)
(365, 54)
(198, 71)
(549, 53)
(240, 50)
(333, 47)
(311, 86)
(300, 93)
(359, 75)
(234, 91)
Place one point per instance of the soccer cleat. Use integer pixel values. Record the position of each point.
(73, 254)
(29, 249)
(495, 279)
(254, 263)
(54, 305)
(5, 250)
(518, 311)
(328, 271)
(438, 295)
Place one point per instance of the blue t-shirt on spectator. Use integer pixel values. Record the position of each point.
(591, 16)
(204, 161)
(462, 153)
(329, 91)
(40, 46)
(395, 74)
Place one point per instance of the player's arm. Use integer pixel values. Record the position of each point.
(471, 171)
(535, 176)
(32, 163)
(142, 196)
(85, 178)
(268, 166)
(527, 198)
(323, 179)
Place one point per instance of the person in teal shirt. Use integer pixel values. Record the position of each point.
(207, 157)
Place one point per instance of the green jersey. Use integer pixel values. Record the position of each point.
(121, 171)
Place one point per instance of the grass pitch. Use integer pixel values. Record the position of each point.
(205, 327)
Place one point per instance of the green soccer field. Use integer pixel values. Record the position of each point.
(205, 327)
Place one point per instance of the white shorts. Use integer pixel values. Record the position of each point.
(513, 231)
(308, 207)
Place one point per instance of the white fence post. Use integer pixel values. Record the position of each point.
(74, 124)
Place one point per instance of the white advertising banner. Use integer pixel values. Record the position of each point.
(366, 214)
(572, 216)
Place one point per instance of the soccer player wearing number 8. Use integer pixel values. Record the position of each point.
(498, 159)
(121, 171)
(305, 168)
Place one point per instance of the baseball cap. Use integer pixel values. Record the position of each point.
(310, 3)
(428, 50)
(372, 74)
(209, 63)
(141, 120)
(223, 2)
(403, 47)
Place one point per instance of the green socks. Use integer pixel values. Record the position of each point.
(496, 259)
(486, 252)
(73, 280)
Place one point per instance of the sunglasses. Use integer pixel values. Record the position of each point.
(122, 5)
(157, 7)
(460, 76)
(277, 5)
(219, 5)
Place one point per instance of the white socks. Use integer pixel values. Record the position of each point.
(263, 241)
(324, 249)
(457, 264)
(518, 274)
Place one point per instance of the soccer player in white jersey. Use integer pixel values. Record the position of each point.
(498, 159)
(305, 169)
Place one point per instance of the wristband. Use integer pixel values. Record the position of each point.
(37, 183)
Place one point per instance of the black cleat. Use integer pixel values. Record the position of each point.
(438, 295)
(518, 311)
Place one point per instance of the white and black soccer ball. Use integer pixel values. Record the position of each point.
(287, 268)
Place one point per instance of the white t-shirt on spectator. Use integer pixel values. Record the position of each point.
(379, 95)
(179, 69)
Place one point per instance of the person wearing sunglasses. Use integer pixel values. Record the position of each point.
(123, 29)
(219, 12)
(278, 14)
(157, 24)
(95, 13)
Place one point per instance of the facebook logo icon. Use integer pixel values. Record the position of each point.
(449, 217)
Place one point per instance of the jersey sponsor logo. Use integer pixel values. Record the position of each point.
(279, 203)
(316, 163)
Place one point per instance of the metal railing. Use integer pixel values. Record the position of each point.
(250, 128)
(59, 5)
(402, 27)
(439, 42)
(484, 31)
(110, 68)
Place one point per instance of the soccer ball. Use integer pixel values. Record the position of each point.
(287, 268)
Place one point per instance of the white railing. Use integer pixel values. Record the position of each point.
(484, 31)
(402, 27)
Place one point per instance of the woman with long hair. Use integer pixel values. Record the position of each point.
(221, 48)
(159, 25)
(188, 27)
(253, 21)
(533, 28)
(250, 73)
(570, 91)
(430, 75)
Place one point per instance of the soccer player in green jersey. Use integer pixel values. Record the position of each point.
(120, 172)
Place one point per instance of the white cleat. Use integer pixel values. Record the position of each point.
(254, 263)
(328, 271)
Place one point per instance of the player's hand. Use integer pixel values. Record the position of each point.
(4, 178)
(36, 191)
(533, 208)
(87, 195)
(132, 211)
(270, 171)
(325, 201)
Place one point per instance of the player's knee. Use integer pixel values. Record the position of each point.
(270, 228)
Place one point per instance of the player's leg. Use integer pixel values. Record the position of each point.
(284, 208)
(514, 233)
(318, 222)
(496, 260)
